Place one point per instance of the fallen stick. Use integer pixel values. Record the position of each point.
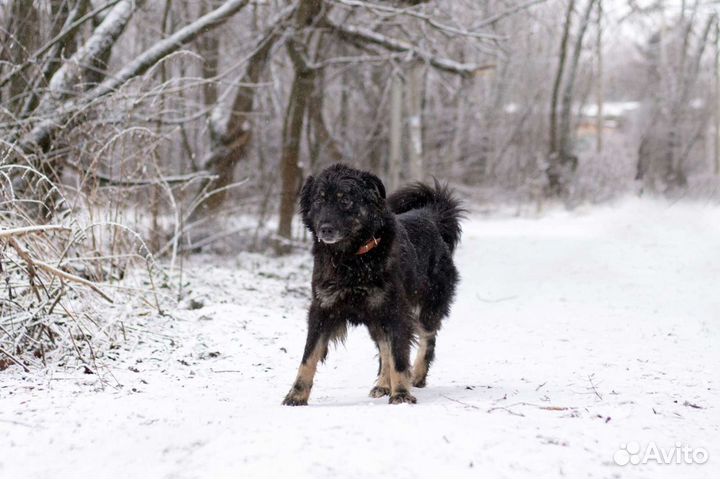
(32, 262)
(30, 229)
(15, 360)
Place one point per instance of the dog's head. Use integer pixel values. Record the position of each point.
(342, 205)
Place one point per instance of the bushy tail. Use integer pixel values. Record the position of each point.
(440, 200)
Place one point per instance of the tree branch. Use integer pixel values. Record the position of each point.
(33, 263)
(67, 31)
(43, 131)
(424, 17)
(30, 229)
(102, 39)
(353, 33)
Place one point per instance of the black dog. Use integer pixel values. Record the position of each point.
(383, 263)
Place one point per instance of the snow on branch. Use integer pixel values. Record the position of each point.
(365, 35)
(102, 39)
(45, 129)
(421, 16)
(30, 229)
(69, 29)
(165, 47)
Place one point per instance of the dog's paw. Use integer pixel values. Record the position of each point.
(379, 391)
(420, 382)
(401, 398)
(292, 400)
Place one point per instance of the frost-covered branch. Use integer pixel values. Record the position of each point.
(45, 129)
(160, 50)
(69, 29)
(354, 33)
(102, 39)
(430, 20)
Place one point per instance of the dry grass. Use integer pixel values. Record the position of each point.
(62, 273)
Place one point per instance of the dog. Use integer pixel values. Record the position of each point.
(383, 262)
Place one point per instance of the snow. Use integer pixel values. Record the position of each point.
(573, 333)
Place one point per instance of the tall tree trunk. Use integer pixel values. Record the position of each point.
(377, 153)
(320, 141)
(209, 47)
(23, 41)
(290, 172)
(395, 160)
(64, 18)
(565, 134)
(302, 88)
(230, 133)
(563, 161)
(600, 97)
(678, 176)
(717, 98)
(413, 97)
(558, 78)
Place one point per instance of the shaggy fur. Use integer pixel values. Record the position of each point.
(384, 263)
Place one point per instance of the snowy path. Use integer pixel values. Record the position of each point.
(571, 334)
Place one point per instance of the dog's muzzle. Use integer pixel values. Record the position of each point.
(328, 234)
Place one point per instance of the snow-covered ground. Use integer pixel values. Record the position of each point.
(572, 334)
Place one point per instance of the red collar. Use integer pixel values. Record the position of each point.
(368, 246)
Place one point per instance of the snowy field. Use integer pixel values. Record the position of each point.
(572, 334)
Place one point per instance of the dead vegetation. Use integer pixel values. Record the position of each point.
(62, 272)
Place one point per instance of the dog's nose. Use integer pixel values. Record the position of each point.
(326, 230)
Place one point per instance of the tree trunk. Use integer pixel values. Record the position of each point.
(413, 97)
(209, 48)
(230, 133)
(65, 47)
(558, 78)
(600, 99)
(23, 39)
(563, 161)
(302, 88)
(717, 98)
(565, 134)
(290, 173)
(395, 160)
(320, 141)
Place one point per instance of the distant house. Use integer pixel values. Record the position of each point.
(615, 114)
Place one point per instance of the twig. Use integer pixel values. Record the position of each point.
(506, 409)
(352, 32)
(592, 385)
(30, 229)
(15, 360)
(460, 402)
(421, 16)
(25, 255)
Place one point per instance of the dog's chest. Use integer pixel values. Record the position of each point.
(331, 296)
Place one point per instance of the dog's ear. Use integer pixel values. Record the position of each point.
(306, 195)
(375, 183)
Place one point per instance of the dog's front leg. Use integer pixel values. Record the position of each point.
(382, 385)
(400, 339)
(316, 347)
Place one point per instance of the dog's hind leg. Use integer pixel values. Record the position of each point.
(425, 356)
(316, 347)
(435, 307)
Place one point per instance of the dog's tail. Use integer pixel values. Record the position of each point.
(440, 200)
